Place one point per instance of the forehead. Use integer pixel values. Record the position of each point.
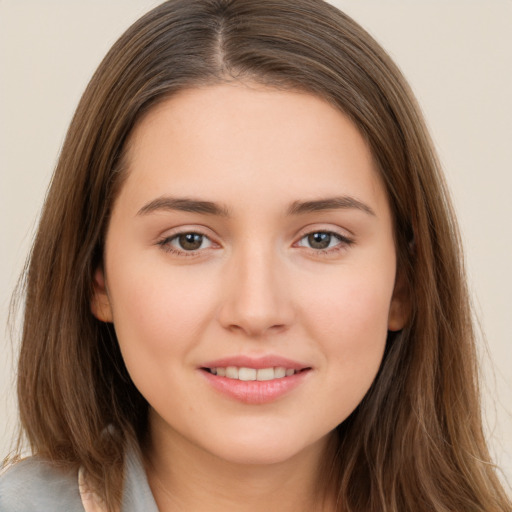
(249, 139)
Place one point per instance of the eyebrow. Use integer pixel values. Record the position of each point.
(330, 203)
(185, 205)
(167, 203)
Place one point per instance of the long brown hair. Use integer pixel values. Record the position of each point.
(415, 442)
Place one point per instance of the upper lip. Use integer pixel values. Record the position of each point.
(268, 361)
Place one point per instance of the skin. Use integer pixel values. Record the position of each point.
(256, 286)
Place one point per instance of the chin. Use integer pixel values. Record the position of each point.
(257, 450)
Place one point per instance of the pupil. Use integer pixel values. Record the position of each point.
(191, 241)
(319, 240)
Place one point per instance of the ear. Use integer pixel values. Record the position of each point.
(100, 302)
(399, 309)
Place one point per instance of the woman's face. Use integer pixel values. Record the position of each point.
(252, 239)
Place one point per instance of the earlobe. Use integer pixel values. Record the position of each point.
(399, 309)
(100, 302)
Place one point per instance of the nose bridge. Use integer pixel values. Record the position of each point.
(256, 295)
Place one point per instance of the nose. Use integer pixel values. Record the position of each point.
(256, 298)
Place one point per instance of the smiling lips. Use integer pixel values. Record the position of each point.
(248, 374)
(255, 381)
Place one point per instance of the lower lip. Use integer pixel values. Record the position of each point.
(254, 391)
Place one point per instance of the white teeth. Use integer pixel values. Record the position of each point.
(279, 372)
(265, 374)
(248, 374)
(232, 372)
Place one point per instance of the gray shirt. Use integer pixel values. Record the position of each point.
(33, 485)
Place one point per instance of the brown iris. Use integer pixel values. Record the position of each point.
(190, 241)
(319, 240)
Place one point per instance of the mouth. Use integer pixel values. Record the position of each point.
(247, 374)
(255, 380)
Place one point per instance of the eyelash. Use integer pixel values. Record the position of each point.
(165, 244)
(343, 243)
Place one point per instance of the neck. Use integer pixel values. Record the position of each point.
(183, 476)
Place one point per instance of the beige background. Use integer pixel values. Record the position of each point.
(457, 55)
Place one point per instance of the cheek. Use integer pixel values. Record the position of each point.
(158, 318)
(349, 323)
(353, 307)
(158, 311)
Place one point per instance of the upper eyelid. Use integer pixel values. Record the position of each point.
(174, 236)
(342, 239)
(333, 233)
(165, 243)
(183, 230)
(322, 228)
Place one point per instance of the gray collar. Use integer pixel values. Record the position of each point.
(137, 495)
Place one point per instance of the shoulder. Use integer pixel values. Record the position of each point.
(33, 484)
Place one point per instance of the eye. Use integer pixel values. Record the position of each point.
(323, 240)
(186, 243)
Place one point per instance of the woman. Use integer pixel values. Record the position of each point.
(247, 272)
